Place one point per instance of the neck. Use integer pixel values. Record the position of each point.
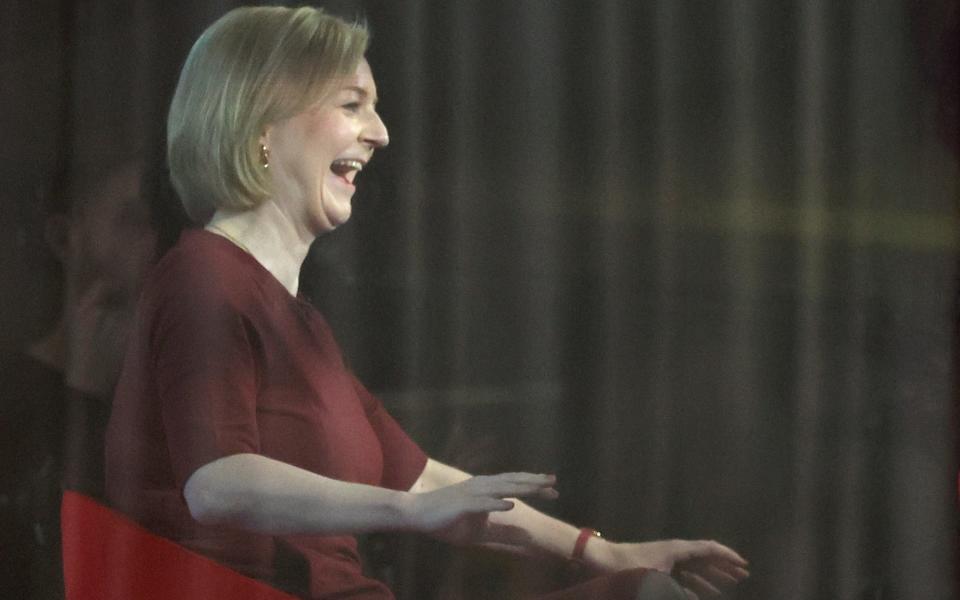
(270, 236)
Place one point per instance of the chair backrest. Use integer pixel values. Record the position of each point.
(106, 556)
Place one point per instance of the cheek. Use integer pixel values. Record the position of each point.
(334, 132)
(307, 147)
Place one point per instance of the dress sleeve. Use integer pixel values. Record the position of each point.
(206, 377)
(403, 460)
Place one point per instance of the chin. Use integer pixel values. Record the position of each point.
(328, 222)
(332, 211)
(340, 212)
(340, 218)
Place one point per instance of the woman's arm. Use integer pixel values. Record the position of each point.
(260, 494)
(701, 565)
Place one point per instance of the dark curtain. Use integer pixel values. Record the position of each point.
(695, 257)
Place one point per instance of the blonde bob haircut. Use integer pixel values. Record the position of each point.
(253, 67)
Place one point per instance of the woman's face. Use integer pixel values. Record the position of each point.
(314, 156)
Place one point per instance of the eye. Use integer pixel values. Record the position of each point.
(352, 107)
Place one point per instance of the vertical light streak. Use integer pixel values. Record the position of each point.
(742, 389)
(411, 191)
(463, 130)
(811, 101)
(614, 259)
(666, 244)
(540, 63)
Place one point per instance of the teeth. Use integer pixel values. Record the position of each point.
(349, 163)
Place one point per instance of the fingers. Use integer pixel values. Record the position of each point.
(492, 505)
(513, 485)
(709, 567)
(709, 549)
(494, 493)
(705, 579)
(698, 555)
(698, 585)
(531, 479)
(718, 570)
(708, 576)
(721, 577)
(734, 572)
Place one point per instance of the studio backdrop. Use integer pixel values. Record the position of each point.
(697, 258)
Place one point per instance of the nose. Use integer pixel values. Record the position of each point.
(374, 133)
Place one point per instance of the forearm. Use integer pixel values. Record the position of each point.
(260, 494)
(530, 531)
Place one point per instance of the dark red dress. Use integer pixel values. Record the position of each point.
(224, 361)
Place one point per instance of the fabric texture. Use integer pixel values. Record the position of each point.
(225, 361)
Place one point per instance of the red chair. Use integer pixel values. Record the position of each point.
(106, 556)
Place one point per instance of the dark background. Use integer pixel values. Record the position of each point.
(695, 257)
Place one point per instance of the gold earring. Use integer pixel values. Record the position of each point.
(264, 156)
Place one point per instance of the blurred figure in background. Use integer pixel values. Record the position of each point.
(55, 393)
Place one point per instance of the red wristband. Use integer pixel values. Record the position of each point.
(585, 534)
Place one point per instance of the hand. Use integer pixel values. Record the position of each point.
(703, 567)
(459, 513)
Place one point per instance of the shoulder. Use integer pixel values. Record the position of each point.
(203, 293)
(202, 269)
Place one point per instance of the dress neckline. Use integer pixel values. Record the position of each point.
(236, 251)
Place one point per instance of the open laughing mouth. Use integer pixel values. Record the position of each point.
(346, 169)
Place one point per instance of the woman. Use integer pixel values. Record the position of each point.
(237, 430)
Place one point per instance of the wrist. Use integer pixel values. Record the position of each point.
(590, 550)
